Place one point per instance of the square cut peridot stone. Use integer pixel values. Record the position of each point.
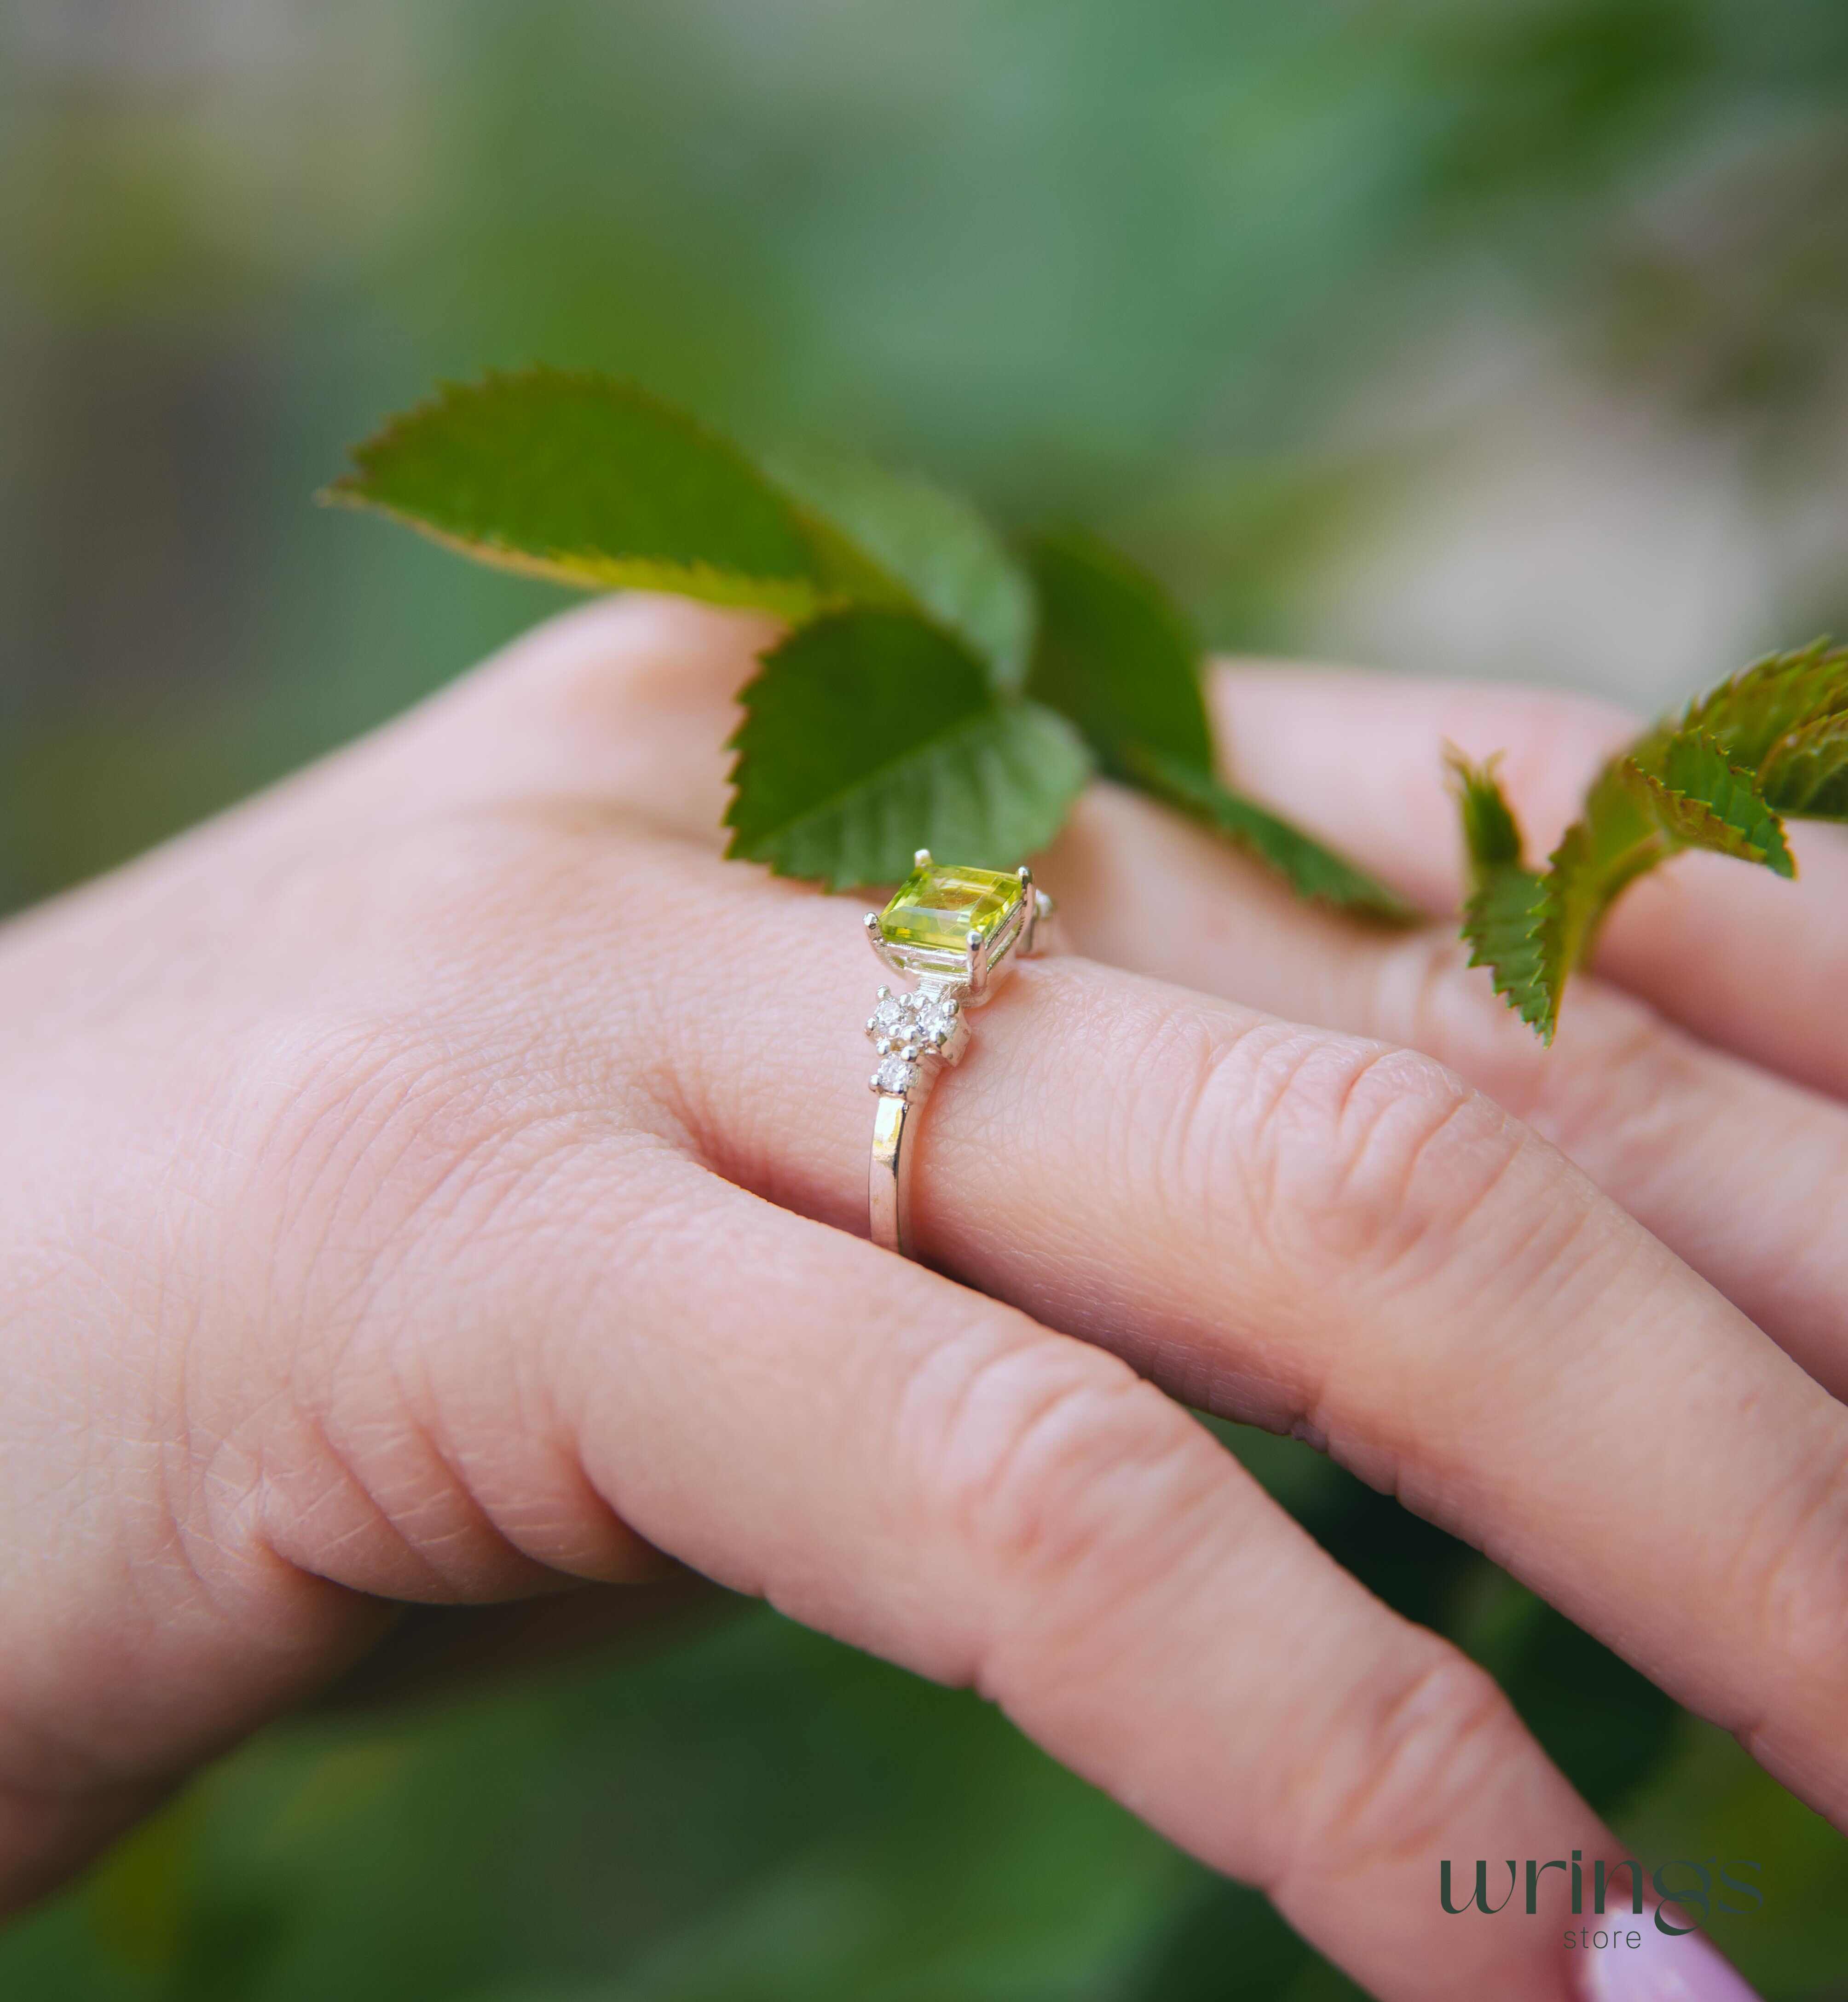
(938, 906)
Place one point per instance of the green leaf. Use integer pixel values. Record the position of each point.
(1530, 929)
(1805, 773)
(590, 482)
(1491, 834)
(1503, 921)
(1635, 818)
(1702, 801)
(1115, 654)
(870, 733)
(1535, 931)
(922, 547)
(1599, 857)
(1311, 869)
(1504, 913)
(1771, 741)
(1748, 714)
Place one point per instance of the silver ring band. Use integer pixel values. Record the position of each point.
(957, 931)
(888, 1185)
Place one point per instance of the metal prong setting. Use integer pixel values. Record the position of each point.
(915, 1034)
(1040, 906)
(881, 951)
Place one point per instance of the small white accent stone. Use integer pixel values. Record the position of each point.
(905, 1029)
(890, 1021)
(935, 1018)
(894, 1077)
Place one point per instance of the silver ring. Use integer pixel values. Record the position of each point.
(956, 932)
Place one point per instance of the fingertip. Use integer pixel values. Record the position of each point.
(1664, 1968)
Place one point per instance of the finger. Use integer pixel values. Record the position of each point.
(512, 1336)
(1670, 1128)
(626, 702)
(1483, 1464)
(1745, 960)
(1326, 1236)
(928, 1474)
(631, 699)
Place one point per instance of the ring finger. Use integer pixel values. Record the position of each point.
(1326, 1236)
(1280, 1224)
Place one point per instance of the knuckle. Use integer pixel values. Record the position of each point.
(1622, 1083)
(1353, 1150)
(388, 1193)
(508, 950)
(1434, 1743)
(1049, 1462)
(357, 1133)
(370, 1129)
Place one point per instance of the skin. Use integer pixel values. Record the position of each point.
(443, 1180)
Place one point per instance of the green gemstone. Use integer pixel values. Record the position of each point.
(938, 906)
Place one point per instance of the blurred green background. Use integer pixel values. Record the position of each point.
(1484, 339)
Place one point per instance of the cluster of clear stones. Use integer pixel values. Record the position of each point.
(905, 1029)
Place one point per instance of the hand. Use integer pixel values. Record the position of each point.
(437, 1181)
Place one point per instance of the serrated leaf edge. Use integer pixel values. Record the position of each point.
(796, 598)
(1656, 793)
(789, 598)
(996, 705)
(1532, 992)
